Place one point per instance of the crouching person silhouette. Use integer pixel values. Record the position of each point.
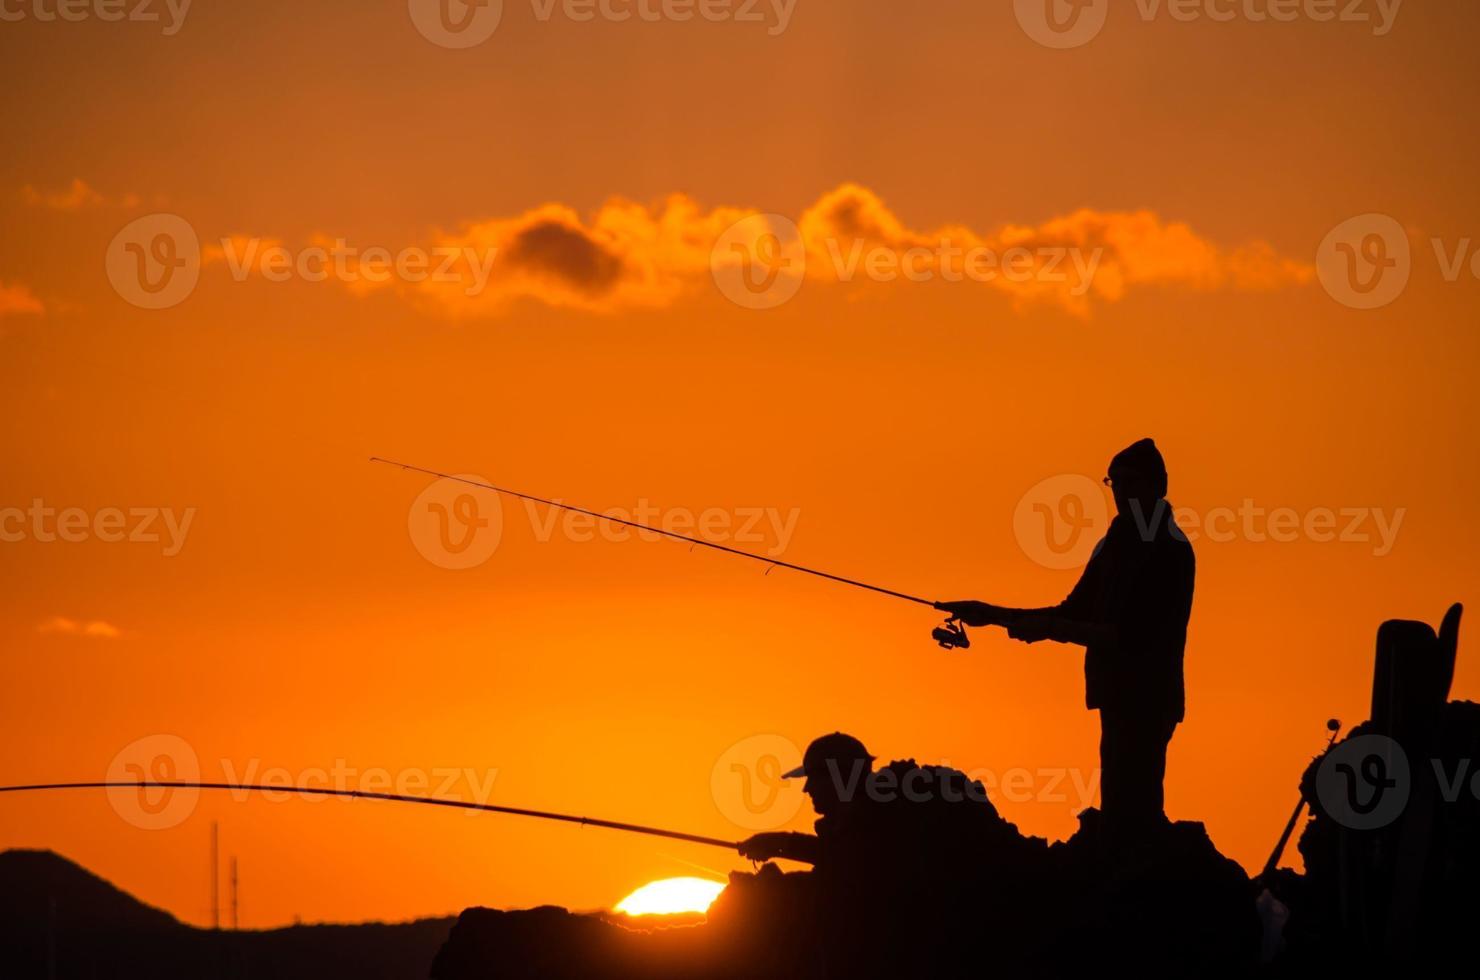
(836, 768)
(1129, 611)
(900, 857)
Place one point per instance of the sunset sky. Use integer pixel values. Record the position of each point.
(289, 609)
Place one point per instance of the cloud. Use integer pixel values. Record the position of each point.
(16, 298)
(75, 197)
(628, 256)
(96, 629)
(1066, 261)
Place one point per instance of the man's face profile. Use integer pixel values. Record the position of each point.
(834, 782)
(1130, 488)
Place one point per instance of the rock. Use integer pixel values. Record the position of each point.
(1172, 906)
(1168, 905)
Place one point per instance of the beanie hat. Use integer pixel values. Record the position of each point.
(1144, 458)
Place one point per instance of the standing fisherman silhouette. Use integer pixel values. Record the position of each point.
(1129, 610)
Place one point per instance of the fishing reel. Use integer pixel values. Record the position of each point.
(951, 635)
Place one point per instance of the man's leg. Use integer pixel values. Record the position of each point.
(1133, 763)
(1152, 795)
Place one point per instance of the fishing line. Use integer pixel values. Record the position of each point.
(773, 562)
(951, 635)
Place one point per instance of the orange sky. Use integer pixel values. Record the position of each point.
(901, 424)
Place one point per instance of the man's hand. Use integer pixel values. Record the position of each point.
(766, 847)
(974, 613)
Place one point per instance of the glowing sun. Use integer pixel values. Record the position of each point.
(671, 896)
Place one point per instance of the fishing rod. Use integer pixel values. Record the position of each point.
(1334, 727)
(952, 634)
(355, 794)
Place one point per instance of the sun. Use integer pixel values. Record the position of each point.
(672, 896)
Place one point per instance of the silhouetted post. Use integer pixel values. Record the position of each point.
(235, 908)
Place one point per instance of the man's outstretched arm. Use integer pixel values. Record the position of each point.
(792, 846)
(1031, 625)
(1068, 622)
(1048, 624)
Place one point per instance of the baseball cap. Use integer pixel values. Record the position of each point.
(837, 747)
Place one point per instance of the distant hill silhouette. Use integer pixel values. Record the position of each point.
(59, 920)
